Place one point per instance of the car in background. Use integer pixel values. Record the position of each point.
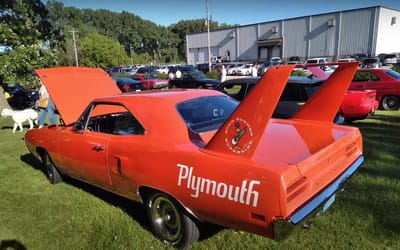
(371, 62)
(263, 68)
(356, 105)
(245, 70)
(347, 59)
(150, 70)
(316, 60)
(19, 97)
(232, 69)
(276, 60)
(186, 68)
(150, 81)
(196, 157)
(391, 59)
(294, 60)
(163, 69)
(126, 84)
(194, 79)
(386, 82)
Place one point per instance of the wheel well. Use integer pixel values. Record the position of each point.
(41, 152)
(145, 192)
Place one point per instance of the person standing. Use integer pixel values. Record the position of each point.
(254, 70)
(178, 74)
(223, 73)
(45, 106)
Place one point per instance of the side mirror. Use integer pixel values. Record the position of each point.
(78, 127)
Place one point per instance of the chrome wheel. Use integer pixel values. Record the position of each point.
(169, 222)
(165, 218)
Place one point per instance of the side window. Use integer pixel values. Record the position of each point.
(236, 91)
(113, 119)
(292, 93)
(361, 76)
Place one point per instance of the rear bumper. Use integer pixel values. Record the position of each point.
(319, 203)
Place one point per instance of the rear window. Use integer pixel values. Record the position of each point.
(393, 74)
(208, 113)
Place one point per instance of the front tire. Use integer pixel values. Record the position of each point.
(50, 170)
(391, 102)
(169, 222)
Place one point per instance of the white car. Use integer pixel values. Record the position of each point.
(163, 69)
(245, 70)
(316, 60)
(232, 69)
(347, 59)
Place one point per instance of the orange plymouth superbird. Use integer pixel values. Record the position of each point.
(196, 155)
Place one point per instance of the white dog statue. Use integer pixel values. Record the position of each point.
(20, 116)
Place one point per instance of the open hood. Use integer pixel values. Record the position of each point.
(73, 88)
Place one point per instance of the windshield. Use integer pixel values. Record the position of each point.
(393, 74)
(197, 75)
(207, 113)
(149, 77)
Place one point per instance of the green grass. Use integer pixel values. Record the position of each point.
(73, 215)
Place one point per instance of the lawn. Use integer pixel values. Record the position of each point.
(72, 215)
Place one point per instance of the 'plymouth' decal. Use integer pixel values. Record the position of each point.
(243, 193)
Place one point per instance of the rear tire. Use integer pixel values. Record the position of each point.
(169, 222)
(50, 170)
(391, 102)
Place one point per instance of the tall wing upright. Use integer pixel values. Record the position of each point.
(243, 130)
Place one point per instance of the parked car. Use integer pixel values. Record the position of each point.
(356, 105)
(391, 59)
(371, 62)
(316, 60)
(386, 82)
(163, 69)
(150, 81)
(126, 84)
(19, 97)
(294, 60)
(263, 68)
(232, 70)
(195, 156)
(276, 60)
(195, 79)
(245, 70)
(347, 59)
(150, 70)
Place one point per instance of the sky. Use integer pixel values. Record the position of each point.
(241, 12)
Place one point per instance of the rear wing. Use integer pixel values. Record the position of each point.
(325, 103)
(243, 130)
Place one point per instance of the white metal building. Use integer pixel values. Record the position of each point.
(372, 30)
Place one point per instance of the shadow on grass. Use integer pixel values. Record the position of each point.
(11, 245)
(134, 209)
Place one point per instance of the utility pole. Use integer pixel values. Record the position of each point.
(208, 37)
(75, 50)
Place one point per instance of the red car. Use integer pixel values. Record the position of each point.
(357, 104)
(197, 155)
(386, 82)
(150, 81)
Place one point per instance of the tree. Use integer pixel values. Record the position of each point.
(100, 51)
(24, 27)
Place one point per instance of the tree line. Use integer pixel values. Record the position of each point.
(50, 34)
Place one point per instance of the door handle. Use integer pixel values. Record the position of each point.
(98, 148)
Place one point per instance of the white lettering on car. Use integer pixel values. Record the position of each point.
(244, 193)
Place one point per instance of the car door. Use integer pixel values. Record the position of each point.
(85, 156)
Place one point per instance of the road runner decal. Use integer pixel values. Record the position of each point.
(238, 136)
(244, 193)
